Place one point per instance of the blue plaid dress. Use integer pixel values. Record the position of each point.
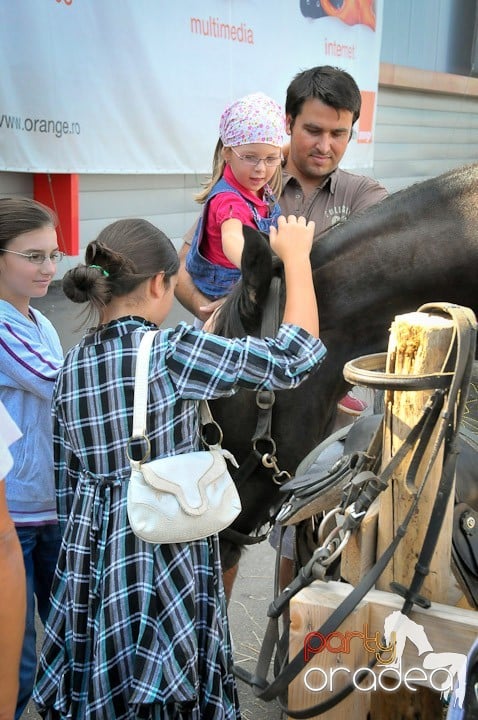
(139, 630)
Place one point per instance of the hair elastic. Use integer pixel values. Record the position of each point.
(98, 267)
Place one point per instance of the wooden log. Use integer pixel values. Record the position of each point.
(418, 344)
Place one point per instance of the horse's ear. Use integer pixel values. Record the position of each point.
(256, 265)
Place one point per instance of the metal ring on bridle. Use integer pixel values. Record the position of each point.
(338, 550)
(265, 399)
(323, 555)
(325, 520)
(270, 454)
(369, 371)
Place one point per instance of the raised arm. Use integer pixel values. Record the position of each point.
(292, 242)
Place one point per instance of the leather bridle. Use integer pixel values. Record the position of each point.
(263, 452)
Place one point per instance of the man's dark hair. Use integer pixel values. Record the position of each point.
(330, 85)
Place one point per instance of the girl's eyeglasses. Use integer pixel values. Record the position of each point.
(38, 258)
(253, 160)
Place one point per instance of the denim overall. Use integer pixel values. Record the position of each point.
(213, 280)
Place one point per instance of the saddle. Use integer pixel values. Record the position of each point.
(318, 486)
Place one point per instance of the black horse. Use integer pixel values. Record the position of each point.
(419, 245)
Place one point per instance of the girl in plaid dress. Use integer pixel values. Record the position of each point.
(138, 630)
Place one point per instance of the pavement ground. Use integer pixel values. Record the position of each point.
(253, 590)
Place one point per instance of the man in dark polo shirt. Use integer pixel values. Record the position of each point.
(322, 105)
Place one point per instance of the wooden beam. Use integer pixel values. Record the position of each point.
(446, 627)
(418, 344)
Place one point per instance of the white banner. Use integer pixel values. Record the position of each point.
(138, 86)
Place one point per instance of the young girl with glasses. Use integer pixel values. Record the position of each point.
(139, 630)
(30, 358)
(245, 181)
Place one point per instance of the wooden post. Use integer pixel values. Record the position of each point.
(419, 344)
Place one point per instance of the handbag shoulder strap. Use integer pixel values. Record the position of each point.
(141, 384)
(141, 388)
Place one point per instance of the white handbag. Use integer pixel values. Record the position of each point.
(178, 498)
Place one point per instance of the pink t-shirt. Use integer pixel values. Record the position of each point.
(222, 207)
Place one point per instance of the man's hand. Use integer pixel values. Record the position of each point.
(186, 292)
(212, 308)
(209, 312)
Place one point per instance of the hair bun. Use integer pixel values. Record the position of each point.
(84, 283)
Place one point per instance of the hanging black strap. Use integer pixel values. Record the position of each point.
(265, 400)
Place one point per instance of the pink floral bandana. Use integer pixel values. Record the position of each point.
(253, 118)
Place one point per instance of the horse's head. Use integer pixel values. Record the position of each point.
(243, 312)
